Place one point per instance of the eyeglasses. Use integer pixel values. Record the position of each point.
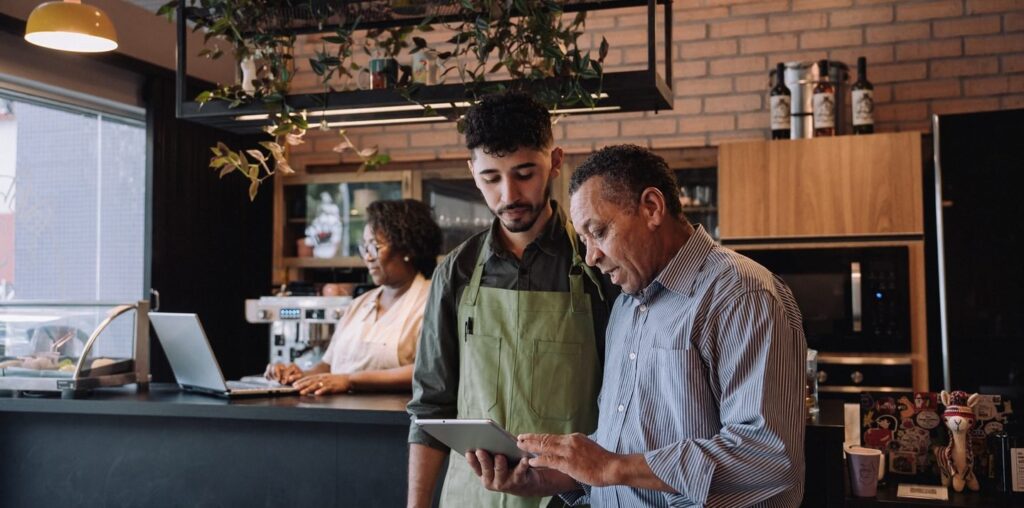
(371, 249)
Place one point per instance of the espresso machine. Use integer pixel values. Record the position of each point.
(301, 327)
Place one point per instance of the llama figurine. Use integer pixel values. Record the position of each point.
(956, 460)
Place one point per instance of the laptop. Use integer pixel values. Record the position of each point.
(194, 365)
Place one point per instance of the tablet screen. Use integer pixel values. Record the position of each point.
(462, 435)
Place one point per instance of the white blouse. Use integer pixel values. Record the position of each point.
(365, 339)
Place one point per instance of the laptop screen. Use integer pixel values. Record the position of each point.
(188, 350)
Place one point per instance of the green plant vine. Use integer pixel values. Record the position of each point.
(529, 41)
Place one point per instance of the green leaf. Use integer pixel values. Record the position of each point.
(553, 52)
(254, 187)
(168, 9)
(581, 16)
(317, 67)
(481, 24)
(256, 154)
(420, 42)
(603, 52)
(461, 38)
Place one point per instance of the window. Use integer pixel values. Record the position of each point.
(72, 203)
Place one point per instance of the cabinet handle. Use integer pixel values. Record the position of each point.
(857, 377)
(855, 297)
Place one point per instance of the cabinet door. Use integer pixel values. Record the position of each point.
(824, 187)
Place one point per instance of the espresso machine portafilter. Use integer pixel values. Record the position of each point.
(301, 327)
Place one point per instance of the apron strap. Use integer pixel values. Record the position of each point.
(473, 289)
(579, 295)
(579, 300)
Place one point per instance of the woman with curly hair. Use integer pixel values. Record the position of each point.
(374, 345)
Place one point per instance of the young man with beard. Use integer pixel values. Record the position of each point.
(514, 325)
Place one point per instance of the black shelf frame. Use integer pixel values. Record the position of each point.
(630, 91)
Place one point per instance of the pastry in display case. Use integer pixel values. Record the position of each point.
(70, 348)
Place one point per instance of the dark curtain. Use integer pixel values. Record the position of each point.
(211, 246)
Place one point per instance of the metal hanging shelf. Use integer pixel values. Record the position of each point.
(624, 91)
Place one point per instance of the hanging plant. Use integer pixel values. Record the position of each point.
(531, 42)
(527, 41)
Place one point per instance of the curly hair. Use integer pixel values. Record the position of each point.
(409, 228)
(503, 123)
(628, 170)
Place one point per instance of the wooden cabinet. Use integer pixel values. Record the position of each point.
(845, 186)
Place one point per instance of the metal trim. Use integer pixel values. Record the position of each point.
(940, 254)
(858, 389)
(864, 360)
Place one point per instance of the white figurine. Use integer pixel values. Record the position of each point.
(324, 233)
(956, 460)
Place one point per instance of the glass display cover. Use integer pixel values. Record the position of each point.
(43, 344)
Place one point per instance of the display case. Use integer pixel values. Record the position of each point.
(69, 348)
(320, 217)
(458, 206)
(698, 194)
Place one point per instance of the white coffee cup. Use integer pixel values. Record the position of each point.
(865, 469)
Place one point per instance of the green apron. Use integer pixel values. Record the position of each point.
(527, 360)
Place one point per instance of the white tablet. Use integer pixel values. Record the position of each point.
(464, 435)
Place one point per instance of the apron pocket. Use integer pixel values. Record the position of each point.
(482, 367)
(556, 370)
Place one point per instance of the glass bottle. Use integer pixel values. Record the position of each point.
(781, 99)
(824, 103)
(863, 101)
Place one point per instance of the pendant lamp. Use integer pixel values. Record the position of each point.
(71, 26)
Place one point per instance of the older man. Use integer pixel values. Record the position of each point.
(702, 398)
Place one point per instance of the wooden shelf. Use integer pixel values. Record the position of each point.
(337, 262)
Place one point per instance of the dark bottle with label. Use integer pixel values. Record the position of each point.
(824, 103)
(781, 101)
(863, 101)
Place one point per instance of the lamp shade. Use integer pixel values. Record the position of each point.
(71, 26)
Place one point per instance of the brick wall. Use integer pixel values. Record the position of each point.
(924, 57)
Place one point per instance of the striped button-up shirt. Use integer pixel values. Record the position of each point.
(704, 375)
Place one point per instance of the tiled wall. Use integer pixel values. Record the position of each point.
(924, 57)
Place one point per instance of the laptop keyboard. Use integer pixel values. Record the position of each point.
(249, 385)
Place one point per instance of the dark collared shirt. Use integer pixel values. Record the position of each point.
(544, 267)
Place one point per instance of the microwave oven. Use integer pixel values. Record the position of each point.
(853, 300)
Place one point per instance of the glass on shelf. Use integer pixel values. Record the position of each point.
(458, 207)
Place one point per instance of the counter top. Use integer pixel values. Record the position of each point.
(887, 498)
(167, 400)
